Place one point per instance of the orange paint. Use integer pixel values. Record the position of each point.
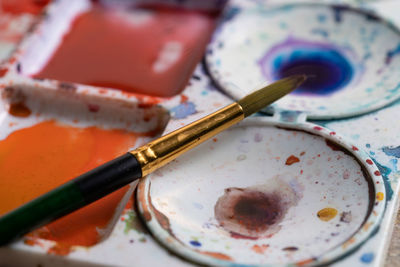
(259, 249)
(37, 159)
(327, 214)
(217, 255)
(291, 160)
(305, 262)
(108, 48)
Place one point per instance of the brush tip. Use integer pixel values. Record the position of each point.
(297, 80)
(270, 93)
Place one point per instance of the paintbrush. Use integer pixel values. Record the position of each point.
(135, 164)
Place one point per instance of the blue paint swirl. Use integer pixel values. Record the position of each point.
(325, 64)
(327, 70)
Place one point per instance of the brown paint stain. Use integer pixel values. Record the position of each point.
(333, 146)
(291, 160)
(128, 56)
(19, 109)
(290, 249)
(327, 214)
(216, 255)
(255, 212)
(37, 159)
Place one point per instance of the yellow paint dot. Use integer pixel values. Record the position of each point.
(379, 196)
(327, 214)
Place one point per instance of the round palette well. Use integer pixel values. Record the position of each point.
(265, 193)
(351, 57)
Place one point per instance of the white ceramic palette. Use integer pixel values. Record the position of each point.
(352, 51)
(279, 194)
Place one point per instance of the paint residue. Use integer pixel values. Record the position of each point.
(255, 212)
(392, 151)
(346, 217)
(259, 249)
(327, 214)
(216, 255)
(183, 110)
(37, 159)
(143, 51)
(19, 109)
(290, 249)
(391, 53)
(385, 172)
(326, 66)
(291, 160)
(23, 6)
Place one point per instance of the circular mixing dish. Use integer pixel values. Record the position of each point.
(351, 57)
(265, 193)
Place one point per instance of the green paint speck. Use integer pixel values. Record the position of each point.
(133, 223)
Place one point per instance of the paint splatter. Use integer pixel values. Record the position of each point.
(133, 223)
(392, 151)
(259, 249)
(290, 249)
(391, 53)
(385, 171)
(367, 257)
(327, 214)
(291, 160)
(183, 110)
(216, 255)
(195, 243)
(346, 216)
(338, 12)
(255, 212)
(380, 196)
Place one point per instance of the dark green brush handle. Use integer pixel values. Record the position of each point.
(69, 197)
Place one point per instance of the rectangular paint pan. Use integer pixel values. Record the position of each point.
(118, 46)
(50, 136)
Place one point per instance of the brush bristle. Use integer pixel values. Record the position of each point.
(270, 93)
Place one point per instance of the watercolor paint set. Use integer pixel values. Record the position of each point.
(311, 180)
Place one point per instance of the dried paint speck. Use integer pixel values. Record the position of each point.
(327, 214)
(291, 160)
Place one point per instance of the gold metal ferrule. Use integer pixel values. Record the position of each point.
(168, 147)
